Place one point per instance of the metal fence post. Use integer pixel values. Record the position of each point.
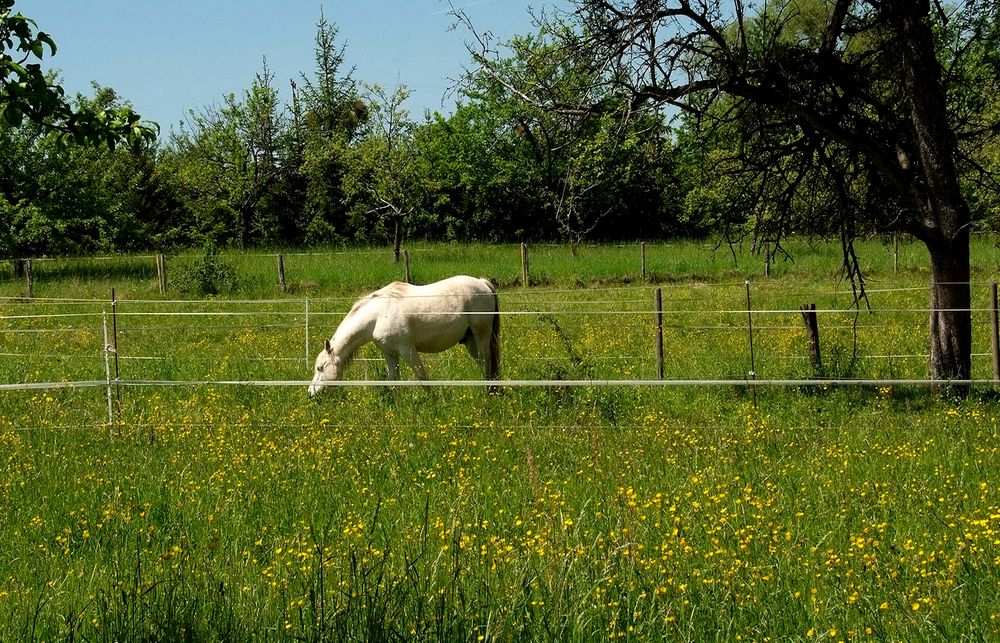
(659, 333)
(753, 369)
(308, 353)
(107, 375)
(995, 338)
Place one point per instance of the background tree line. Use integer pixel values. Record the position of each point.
(543, 144)
(343, 162)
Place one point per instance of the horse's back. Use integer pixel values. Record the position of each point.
(459, 284)
(458, 293)
(435, 316)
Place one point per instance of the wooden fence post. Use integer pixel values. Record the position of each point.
(525, 275)
(281, 273)
(161, 272)
(406, 266)
(995, 315)
(29, 275)
(659, 333)
(642, 253)
(812, 331)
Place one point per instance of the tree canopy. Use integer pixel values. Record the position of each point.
(27, 92)
(837, 118)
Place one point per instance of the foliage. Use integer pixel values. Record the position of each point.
(58, 193)
(383, 166)
(26, 91)
(327, 116)
(73, 199)
(209, 275)
(345, 163)
(842, 118)
(229, 162)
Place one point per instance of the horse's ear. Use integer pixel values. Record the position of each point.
(328, 347)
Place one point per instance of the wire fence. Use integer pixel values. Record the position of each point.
(266, 340)
(700, 335)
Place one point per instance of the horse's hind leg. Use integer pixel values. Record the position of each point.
(479, 349)
(472, 345)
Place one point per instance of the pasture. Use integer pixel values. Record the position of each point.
(209, 510)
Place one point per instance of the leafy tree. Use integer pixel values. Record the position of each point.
(59, 199)
(384, 161)
(468, 175)
(55, 197)
(27, 92)
(327, 115)
(227, 159)
(588, 174)
(842, 112)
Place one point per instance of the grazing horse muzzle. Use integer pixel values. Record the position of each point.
(317, 385)
(326, 369)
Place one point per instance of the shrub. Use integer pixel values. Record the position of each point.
(209, 275)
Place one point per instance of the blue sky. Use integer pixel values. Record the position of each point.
(169, 57)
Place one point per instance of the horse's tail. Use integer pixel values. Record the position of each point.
(493, 367)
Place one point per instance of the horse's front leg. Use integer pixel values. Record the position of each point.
(391, 366)
(412, 357)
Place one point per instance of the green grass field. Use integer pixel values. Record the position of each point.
(237, 512)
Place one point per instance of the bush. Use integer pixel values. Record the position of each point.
(210, 275)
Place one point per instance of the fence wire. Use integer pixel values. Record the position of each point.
(241, 333)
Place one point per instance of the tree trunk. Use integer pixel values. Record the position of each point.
(950, 317)
(397, 237)
(937, 195)
(246, 214)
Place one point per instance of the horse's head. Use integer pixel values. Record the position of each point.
(327, 369)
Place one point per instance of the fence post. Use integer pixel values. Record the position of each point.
(895, 253)
(525, 274)
(308, 352)
(995, 315)
(281, 272)
(642, 253)
(29, 275)
(107, 375)
(812, 331)
(161, 272)
(659, 333)
(753, 369)
(406, 266)
(114, 339)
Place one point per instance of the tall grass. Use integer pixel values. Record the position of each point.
(210, 512)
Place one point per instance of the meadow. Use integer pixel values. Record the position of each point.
(209, 510)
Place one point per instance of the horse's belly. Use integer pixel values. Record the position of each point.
(438, 334)
(427, 333)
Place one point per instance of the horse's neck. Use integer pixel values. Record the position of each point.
(356, 330)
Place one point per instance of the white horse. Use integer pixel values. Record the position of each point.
(405, 320)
